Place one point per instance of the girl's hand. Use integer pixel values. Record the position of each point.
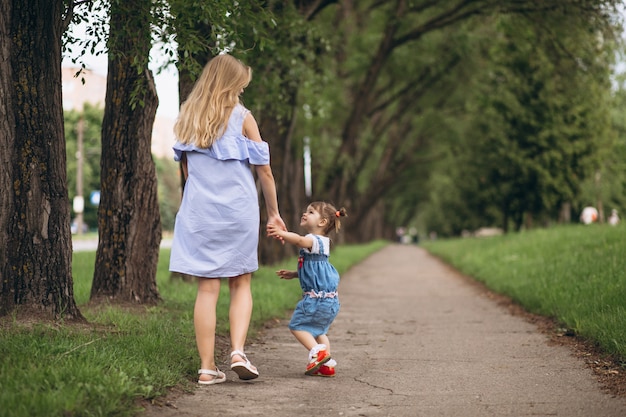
(284, 274)
(274, 231)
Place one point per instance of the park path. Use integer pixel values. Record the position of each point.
(413, 338)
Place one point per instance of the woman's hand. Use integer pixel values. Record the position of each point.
(275, 225)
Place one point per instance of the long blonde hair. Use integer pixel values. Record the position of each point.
(204, 115)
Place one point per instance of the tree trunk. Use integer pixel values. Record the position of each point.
(129, 223)
(35, 239)
(565, 215)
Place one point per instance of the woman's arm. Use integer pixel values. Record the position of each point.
(264, 172)
(251, 128)
(268, 186)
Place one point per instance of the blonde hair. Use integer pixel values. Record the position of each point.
(204, 115)
(329, 212)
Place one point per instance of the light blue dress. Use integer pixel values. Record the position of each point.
(319, 280)
(216, 233)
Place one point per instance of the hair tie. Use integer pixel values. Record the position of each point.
(338, 213)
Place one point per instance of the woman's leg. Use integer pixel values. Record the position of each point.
(239, 312)
(204, 319)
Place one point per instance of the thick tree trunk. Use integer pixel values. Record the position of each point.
(128, 216)
(35, 239)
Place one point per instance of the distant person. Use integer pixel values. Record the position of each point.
(613, 218)
(400, 232)
(589, 215)
(216, 233)
(319, 280)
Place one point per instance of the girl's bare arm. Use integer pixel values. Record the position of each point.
(289, 237)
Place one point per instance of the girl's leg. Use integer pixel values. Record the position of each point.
(323, 340)
(328, 369)
(239, 312)
(204, 319)
(318, 352)
(306, 338)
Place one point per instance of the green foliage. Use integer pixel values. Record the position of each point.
(576, 274)
(93, 15)
(290, 57)
(537, 123)
(608, 184)
(202, 29)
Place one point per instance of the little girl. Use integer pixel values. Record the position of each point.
(319, 281)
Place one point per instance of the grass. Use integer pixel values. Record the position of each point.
(126, 355)
(575, 274)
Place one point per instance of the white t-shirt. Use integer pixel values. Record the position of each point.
(316, 245)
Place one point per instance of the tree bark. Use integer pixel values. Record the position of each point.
(129, 222)
(35, 239)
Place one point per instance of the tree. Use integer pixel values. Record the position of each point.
(607, 186)
(542, 120)
(128, 217)
(35, 240)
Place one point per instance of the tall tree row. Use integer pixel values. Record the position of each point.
(418, 55)
(539, 121)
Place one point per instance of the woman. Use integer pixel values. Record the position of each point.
(217, 226)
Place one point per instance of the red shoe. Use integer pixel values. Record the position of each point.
(325, 370)
(320, 358)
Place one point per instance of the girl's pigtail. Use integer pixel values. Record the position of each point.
(338, 214)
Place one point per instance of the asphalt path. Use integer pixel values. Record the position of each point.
(413, 338)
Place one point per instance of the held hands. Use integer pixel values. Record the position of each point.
(275, 230)
(284, 274)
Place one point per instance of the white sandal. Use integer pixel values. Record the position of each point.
(245, 370)
(218, 376)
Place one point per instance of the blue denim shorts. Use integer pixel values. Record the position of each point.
(314, 315)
